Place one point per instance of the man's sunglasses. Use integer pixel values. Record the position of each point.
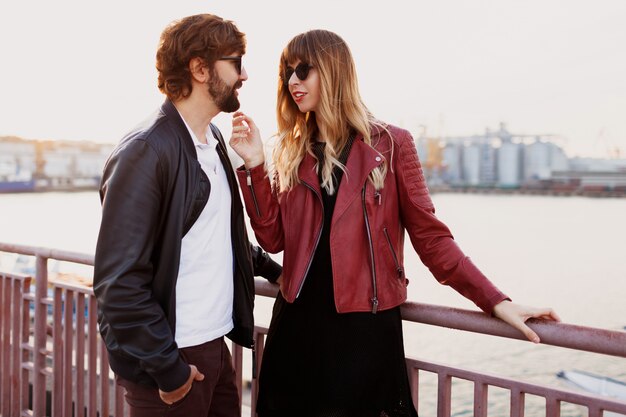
(301, 70)
(235, 59)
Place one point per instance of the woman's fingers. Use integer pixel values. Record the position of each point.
(516, 315)
(238, 119)
(518, 319)
(547, 314)
(529, 333)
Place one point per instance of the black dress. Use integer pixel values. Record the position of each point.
(319, 363)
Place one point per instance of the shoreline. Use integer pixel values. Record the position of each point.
(578, 192)
(593, 193)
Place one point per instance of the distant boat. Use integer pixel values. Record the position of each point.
(17, 186)
(596, 384)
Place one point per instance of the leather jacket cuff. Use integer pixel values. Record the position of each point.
(174, 377)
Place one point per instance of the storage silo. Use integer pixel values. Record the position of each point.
(487, 165)
(537, 161)
(509, 165)
(452, 163)
(471, 164)
(558, 160)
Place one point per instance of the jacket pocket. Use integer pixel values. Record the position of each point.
(399, 269)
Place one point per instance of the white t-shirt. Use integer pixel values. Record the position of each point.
(204, 289)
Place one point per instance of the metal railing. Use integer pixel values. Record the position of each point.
(49, 340)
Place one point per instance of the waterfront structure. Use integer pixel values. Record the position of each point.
(17, 163)
(471, 162)
(542, 159)
(509, 165)
(499, 159)
(492, 160)
(28, 165)
(451, 172)
(488, 165)
(65, 361)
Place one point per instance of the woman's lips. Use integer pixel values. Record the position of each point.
(298, 96)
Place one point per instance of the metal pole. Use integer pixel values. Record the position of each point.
(39, 353)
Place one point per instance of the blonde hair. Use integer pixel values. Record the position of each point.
(341, 109)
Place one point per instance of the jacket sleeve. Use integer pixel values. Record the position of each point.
(431, 238)
(262, 207)
(134, 324)
(263, 265)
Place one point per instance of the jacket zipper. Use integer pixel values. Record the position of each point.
(249, 182)
(317, 241)
(393, 253)
(369, 238)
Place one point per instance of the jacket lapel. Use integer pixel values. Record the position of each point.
(361, 161)
(307, 173)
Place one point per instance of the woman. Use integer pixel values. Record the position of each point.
(346, 189)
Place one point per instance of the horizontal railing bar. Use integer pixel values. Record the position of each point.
(608, 342)
(59, 255)
(583, 338)
(613, 404)
(15, 276)
(82, 289)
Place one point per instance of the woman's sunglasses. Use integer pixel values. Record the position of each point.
(301, 70)
(235, 59)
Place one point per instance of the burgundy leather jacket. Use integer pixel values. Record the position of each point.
(368, 228)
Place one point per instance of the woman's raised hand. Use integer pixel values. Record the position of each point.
(246, 140)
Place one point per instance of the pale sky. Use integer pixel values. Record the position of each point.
(83, 70)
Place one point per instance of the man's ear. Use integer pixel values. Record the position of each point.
(198, 69)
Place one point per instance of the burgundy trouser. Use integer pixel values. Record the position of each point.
(215, 396)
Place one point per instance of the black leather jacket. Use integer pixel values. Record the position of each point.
(152, 191)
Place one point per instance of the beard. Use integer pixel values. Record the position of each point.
(225, 96)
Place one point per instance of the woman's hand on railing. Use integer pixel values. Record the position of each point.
(516, 315)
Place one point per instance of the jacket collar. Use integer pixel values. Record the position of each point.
(176, 121)
(361, 161)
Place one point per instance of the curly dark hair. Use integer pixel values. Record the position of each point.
(203, 36)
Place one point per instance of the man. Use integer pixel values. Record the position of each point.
(173, 266)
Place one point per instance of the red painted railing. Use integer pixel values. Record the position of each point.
(49, 340)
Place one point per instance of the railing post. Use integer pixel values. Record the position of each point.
(39, 353)
(481, 392)
(517, 403)
(553, 407)
(24, 349)
(20, 337)
(5, 346)
(444, 395)
(57, 353)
